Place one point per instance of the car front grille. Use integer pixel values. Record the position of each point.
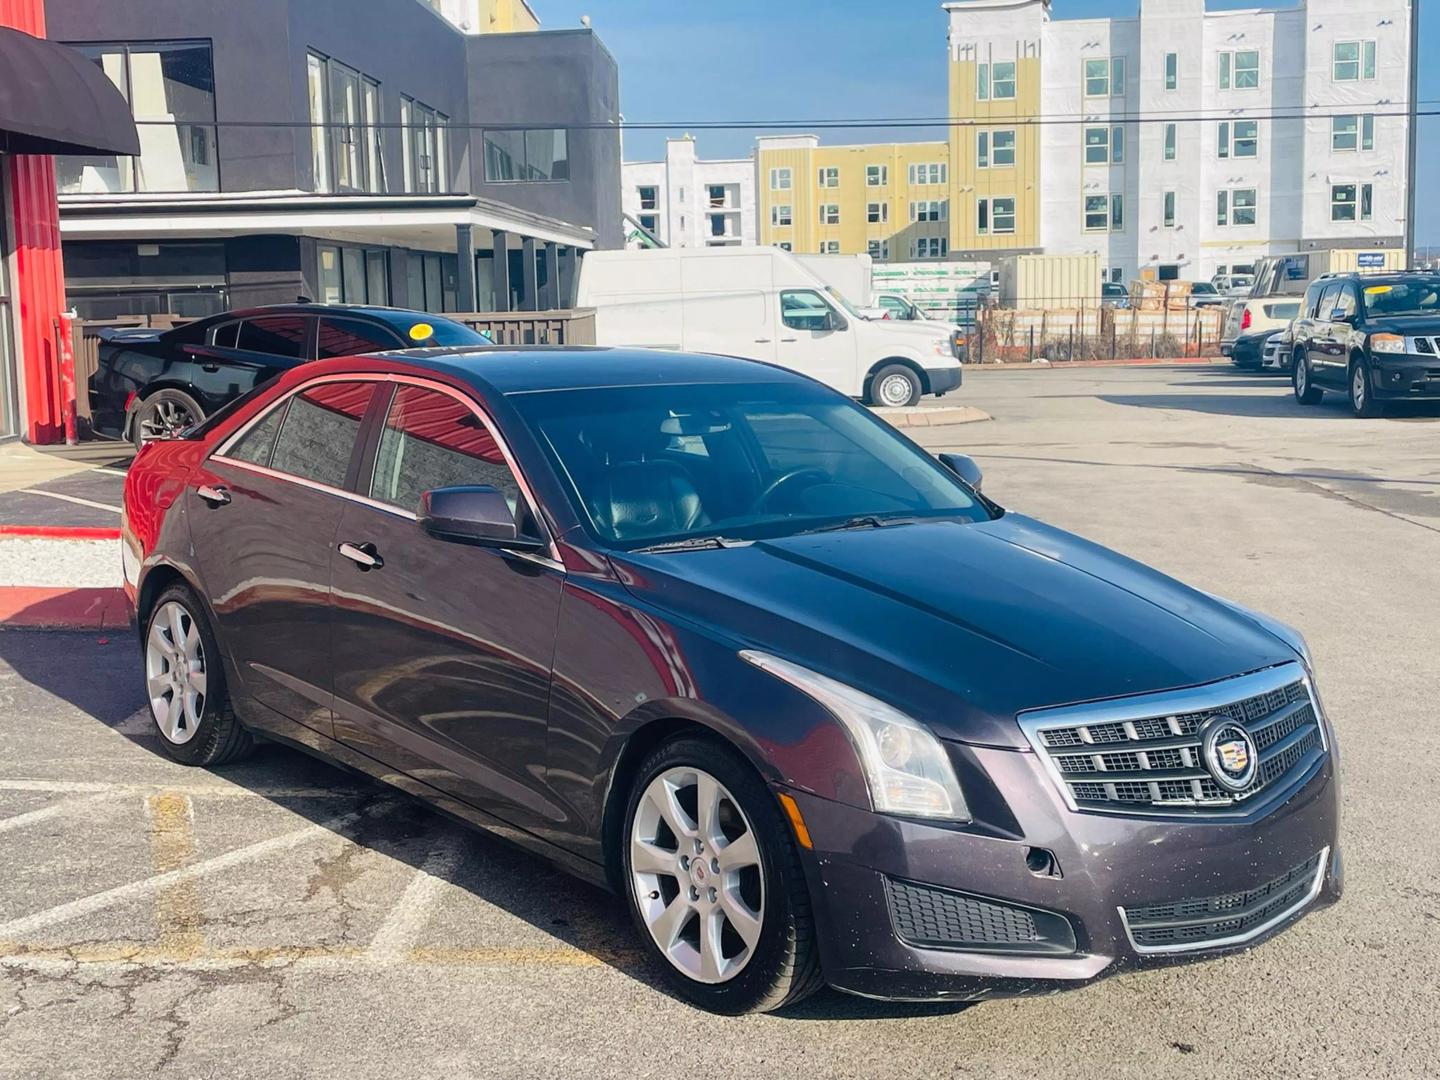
(1145, 755)
(1229, 918)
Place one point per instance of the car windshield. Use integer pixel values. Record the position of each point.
(1204, 287)
(839, 298)
(662, 464)
(1413, 296)
(427, 331)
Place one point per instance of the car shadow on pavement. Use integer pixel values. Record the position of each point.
(1280, 406)
(99, 675)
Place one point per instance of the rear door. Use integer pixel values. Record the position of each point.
(242, 355)
(263, 511)
(443, 651)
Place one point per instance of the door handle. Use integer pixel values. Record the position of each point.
(762, 341)
(789, 339)
(212, 368)
(219, 495)
(362, 555)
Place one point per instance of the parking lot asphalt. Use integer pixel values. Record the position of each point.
(281, 918)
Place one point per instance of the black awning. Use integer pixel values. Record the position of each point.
(55, 101)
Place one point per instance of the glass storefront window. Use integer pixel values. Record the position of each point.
(537, 154)
(171, 90)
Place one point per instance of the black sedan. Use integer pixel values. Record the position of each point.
(711, 633)
(150, 383)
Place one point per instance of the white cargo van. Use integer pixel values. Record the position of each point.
(762, 303)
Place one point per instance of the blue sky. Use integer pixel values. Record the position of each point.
(685, 60)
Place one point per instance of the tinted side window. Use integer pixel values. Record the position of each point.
(1346, 300)
(319, 432)
(1312, 300)
(276, 335)
(224, 335)
(256, 444)
(431, 440)
(1327, 302)
(352, 337)
(804, 310)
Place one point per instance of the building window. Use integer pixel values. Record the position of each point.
(717, 225)
(1105, 213)
(780, 179)
(1240, 70)
(650, 223)
(1105, 77)
(1002, 80)
(1351, 202)
(878, 249)
(785, 245)
(930, 210)
(1239, 138)
(877, 175)
(829, 213)
(780, 215)
(930, 247)
(982, 149)
(929, 173)
(1168, 209)
(1352, 132)
(982, 82)
(877, 213)
(1235, 206)
(170, 86)
(1352, 60)
(1172, 70)
(829, 177)
(539, 154)
(1169, 142)
(1105, 145)
(353, 275)
(1002, 148)
(425, 139)
(649, 198)
(347, 150)
(995, 215)
(719, 197)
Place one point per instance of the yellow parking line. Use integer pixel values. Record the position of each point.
(172, 844)
(148, 954)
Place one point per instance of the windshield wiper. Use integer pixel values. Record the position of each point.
(865, 521)
(695, 543)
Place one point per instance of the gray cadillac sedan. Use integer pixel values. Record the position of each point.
(710, 633)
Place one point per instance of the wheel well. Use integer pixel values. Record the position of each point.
(155, 583)
(903, 362)
(636, 749)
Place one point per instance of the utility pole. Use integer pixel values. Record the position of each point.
(1410, 131)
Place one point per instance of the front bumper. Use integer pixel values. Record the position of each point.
(943, 380)
(1099, 865)
(1395, 376)
(1247, 351)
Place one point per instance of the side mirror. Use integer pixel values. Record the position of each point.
(476, 515)
(834, 321)
(1339, 314)
(963, 466)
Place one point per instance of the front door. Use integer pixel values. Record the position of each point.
(443, 651)
(263, 512)
(816, 340)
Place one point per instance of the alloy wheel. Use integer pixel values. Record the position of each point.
(175, 678)
(696, 872)
(165, 419)
(1358, 388)
(1302, 378)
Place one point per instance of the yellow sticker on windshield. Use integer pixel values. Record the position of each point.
(1376, 290)
(422, 331)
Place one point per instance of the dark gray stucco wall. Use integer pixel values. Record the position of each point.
(552, 79)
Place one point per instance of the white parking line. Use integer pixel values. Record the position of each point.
(20, 821)
(87, 905)
(111, 472)
(401, 929)
(74, 499)
(81, 787)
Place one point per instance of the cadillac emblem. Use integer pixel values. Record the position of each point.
(1229, 754)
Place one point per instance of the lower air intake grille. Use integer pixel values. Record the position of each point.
(1209, 920)
(939, 918)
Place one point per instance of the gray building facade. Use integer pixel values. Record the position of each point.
(346, 150)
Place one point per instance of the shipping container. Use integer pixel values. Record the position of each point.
(1049, 281)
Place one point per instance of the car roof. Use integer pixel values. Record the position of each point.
(538, 368)
(391, 315)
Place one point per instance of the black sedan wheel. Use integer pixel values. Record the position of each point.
(715, 882)
(164, 415)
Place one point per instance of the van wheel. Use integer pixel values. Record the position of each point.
(1306, 392)
(895, 386)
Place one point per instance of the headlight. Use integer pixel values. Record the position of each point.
(944, 348)
(906, 768)
(1387, 343)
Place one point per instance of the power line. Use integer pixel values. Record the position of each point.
(1009, 120)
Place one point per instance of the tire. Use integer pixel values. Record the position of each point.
(1306, 392)
(895, 386)
(1362, 394)
(203, 728)
(669, 896)
(164, 414)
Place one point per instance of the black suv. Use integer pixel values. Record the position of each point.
(1375, 337)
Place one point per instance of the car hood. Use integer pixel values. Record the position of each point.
(922, 333)
(962, 625)
(1410, 326)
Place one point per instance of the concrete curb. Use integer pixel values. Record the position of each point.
(1140, 361)
(920, 416)
(35, 608)
(60, 532)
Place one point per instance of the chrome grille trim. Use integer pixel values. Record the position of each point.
(1234, 909)
(1141, 755)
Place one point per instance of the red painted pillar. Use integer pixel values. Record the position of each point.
(39, 271)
